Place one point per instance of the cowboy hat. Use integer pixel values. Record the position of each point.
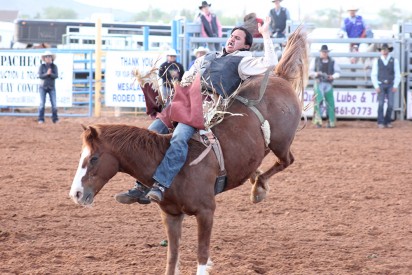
(352, 8)
(385, 46)
(324, 48)
(273, 1)
(200, 49)
(204, 4)
(171, 52)
(48, 53)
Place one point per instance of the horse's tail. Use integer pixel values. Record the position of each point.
(293, 65)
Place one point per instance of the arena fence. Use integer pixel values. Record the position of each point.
(353, 91)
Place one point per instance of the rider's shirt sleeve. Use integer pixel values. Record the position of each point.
(250, 66)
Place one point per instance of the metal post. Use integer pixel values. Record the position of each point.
(98, 68)
(146, 32)
(89, 54)
(174, 34)
(403, 78)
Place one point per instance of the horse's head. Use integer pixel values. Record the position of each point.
(97, 166)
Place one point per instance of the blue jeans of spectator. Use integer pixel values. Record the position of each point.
(176, 155)
(386, 91)
(52, 96)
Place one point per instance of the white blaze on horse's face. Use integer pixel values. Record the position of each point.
(77, 190)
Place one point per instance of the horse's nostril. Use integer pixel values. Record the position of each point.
(78, 195)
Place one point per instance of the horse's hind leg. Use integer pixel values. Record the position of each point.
(261, 186)
(174, 231)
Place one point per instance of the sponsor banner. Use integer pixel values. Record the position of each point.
(20, 83)
(121, 89)
(348, 104)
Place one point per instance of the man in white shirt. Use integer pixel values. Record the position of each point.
(385, 76)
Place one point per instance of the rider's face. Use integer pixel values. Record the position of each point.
(236, 41)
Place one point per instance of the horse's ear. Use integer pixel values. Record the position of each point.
(84, 127)
(93, 132)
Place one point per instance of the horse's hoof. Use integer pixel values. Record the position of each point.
(259, 193)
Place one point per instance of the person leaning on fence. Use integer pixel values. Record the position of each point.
(324, 69)
(211, 26)
(224, 71)
(170, 71)
(279, 17)
(385, 76)
(354, 26)
(48, 73)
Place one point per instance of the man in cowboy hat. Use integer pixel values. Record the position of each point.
(48, 73)
(201, 51)
(324, 69)
(385, 76)
(211, 26)
(354, 25)
(170, 71)
(279, 17)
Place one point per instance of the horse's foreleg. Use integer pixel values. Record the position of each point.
(204, 233)
(261, 186)
(173, 226)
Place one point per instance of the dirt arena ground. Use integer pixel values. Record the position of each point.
(343, 207)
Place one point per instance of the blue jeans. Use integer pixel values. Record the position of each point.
(176, 155)
(386, 91)
(52, 96)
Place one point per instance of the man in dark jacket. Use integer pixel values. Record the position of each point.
(170, 71)
(48, 73)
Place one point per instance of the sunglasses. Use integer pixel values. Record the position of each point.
(48, 56)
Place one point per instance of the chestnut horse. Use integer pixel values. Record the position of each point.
(111, 148)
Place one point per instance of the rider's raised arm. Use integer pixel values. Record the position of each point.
(258, 65)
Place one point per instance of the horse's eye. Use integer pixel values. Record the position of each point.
(93, 160)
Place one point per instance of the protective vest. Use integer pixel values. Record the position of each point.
(210, 29)
(327, 68)
(386, 74)
(278, 22)
(354, 30)
(221, 74)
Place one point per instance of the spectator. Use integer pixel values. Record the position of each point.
(201, 51)
(385, 76)
(279, 17)
(211, 26)
(250, 22)
(48, 73)
(324, 69)
(353, 26)
(170, 71)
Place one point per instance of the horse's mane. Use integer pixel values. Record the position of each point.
(293, 66)
(126, 138)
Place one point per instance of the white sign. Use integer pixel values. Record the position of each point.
(348, 104)
(409, 106)
(121, 89)
(20, 83)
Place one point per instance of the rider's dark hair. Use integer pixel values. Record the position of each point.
(248, 37)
